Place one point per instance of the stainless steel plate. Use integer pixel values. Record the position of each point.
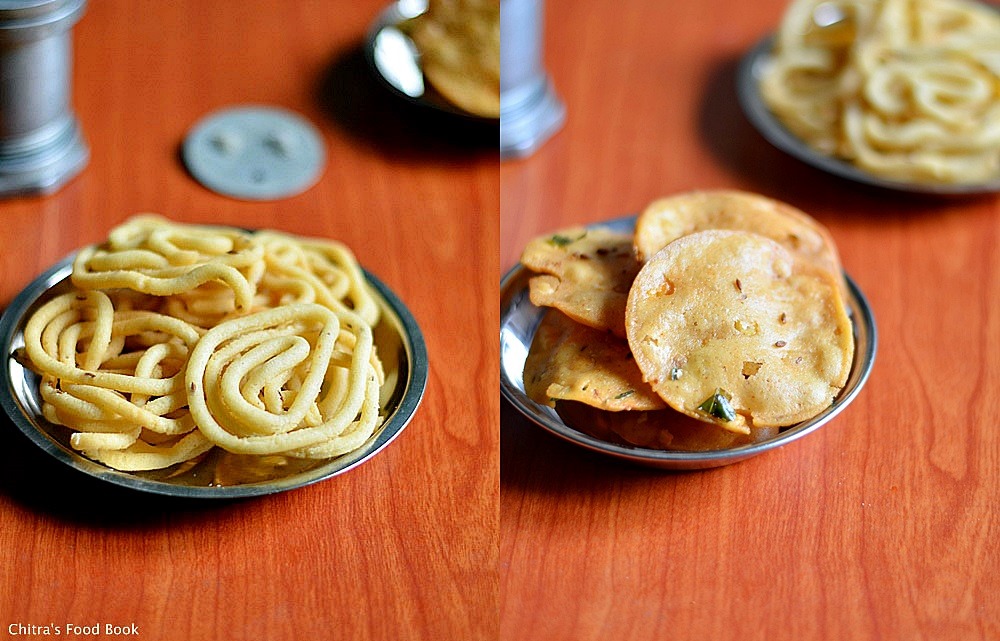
(397, 336)
(396, 62)
(519, 319)
(748, 91)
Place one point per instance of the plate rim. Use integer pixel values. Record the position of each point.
(547, 419)
(771, 129)
(411, 338)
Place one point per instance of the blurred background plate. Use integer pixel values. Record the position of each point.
(395, 61)
(748, 91)
(519, 319)
(400, 345)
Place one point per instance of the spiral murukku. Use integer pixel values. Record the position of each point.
(317, 270)
(181, 338)
(296, 379)
(103, 379)
(150, 255)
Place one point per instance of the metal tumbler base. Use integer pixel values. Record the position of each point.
(45, 168)
(527, 122)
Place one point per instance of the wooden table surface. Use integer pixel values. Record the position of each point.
(404, 546)
(881, 525)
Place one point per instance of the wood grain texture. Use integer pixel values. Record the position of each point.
(882, 525)
(406, 545)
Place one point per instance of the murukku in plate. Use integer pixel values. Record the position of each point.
(171, 343)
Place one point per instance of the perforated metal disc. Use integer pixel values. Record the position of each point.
(255, 153)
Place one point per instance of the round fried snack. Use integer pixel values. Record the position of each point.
(670, 218)
(459, 45)
(586, 274)
(572, 362)
(729, 328)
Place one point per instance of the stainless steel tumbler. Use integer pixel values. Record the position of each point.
(41, 146)
(530, 110)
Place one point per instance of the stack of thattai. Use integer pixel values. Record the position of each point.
(718, 322)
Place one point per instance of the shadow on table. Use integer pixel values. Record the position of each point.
(734, 141)
(39, 483)
(356, 101)
(534, 461)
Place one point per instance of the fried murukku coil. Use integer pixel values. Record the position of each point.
(284, 380)
(904, 89)
(326, 267)
(180, 338)
(103, 380)
(151, 255)
(55, 333)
